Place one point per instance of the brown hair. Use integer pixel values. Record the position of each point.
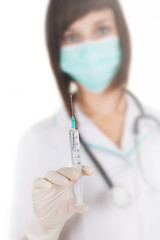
(60, 15)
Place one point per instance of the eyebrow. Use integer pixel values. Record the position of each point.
(101, 21)
(96, 23)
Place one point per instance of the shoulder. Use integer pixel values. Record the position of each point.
(55, 124)
(151, 118)
(37, 130)
(136, 103)
(41, 144)
(44, 139)
(151, 111)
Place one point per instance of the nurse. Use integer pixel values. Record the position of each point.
(89, 46)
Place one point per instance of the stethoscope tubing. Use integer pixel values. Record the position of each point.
(103, 173)
(142, 115)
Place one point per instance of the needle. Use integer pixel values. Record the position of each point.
(72, 105)
(73, 118)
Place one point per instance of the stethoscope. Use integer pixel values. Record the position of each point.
(120, 196)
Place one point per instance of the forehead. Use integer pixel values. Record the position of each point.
(94, 17)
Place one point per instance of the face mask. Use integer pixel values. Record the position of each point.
(93, 64)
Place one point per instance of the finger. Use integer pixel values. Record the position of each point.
(70, 172)
(39, 183)
(40, 188)
(81, 208)
(87, 170)
(56, 178)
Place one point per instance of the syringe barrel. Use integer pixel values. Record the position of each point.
(76, 162)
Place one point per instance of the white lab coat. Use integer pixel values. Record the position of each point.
(45, 146)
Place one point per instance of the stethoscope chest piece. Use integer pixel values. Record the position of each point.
(120, 196)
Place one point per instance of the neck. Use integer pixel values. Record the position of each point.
(101, 104)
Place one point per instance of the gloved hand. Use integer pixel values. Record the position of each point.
(54, 203)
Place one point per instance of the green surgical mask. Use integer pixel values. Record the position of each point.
(93, 64)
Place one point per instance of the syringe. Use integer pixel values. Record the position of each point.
(76, 159)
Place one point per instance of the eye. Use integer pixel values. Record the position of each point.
(70, 38)
(103, 30)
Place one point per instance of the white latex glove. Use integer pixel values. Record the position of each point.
(54, 203)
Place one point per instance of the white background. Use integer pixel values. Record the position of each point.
(28, 92)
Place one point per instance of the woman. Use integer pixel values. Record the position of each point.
(88, 44)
